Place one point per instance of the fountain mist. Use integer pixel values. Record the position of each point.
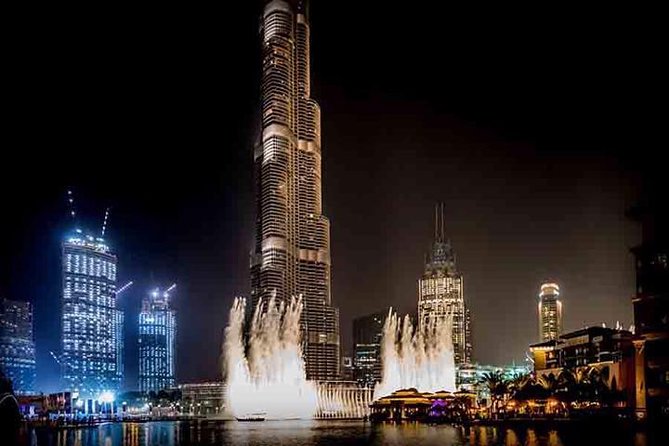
(271, 378)
(420, 357)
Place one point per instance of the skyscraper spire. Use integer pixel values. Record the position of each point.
(439, 223)
(443, 223)
(436, 222)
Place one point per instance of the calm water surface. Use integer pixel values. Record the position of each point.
(314, 433)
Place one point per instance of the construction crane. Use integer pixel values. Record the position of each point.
(104, 223)
(56, 358)
(167, 292)
(73, 209)
(124, 287)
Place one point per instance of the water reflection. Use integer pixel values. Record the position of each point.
(318, 433)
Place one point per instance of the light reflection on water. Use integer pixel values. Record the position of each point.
(323, 433)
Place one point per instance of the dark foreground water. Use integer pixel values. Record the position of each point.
(313, 433)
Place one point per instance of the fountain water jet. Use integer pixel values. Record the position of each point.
(420, 357)
(270, 378)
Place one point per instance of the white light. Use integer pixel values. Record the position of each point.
(106, 397)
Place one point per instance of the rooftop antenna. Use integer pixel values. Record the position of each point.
(443, 223)
(104, 223)
(436, 222)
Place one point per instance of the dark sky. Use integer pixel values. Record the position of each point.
(529, 129)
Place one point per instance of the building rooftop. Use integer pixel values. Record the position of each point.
(595, 330)
(79, 238)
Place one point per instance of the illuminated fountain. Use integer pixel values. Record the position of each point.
(269, 376)
(420, 357)
(266, 375)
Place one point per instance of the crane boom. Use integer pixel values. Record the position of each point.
(124, 287)
(104, 223)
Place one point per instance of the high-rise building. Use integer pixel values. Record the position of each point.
(157, 342)
(17, 345)
(651, 305)
(550, 312)
(441, 291)
(367, 337)
(92, 336)
(291, 255)
(347, 369)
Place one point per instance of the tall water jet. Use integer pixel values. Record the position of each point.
(420, 357)
(266, 374)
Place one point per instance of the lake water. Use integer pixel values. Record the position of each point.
(323, 433)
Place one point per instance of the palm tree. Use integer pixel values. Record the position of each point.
(517, 382)
(497, 387)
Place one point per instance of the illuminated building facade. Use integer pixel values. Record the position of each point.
(605, 349)
(441, 291)
(550, 312)
(367, 337)
(291, 255)
(157, 343)
(92, 336)
(17, 345)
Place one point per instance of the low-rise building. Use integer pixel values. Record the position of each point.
(205, 398)
(471, 377)
(610, 351)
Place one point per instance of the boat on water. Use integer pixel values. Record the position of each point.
(258, 416)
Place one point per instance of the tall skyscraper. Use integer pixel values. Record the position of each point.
(550, 312)
(157, 342)
(367, 336)
(92, 359)
(291, 255)
(17, 345)
(441, 291)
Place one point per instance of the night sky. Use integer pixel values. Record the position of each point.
(529, 130)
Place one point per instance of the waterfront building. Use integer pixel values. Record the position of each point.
(608, 350)
(441, 291)
(17, 345)
(550, 312)
(92, 326)
(206, 398)
(291, 256)
(157, 342)
(367, 337)
(412, 405)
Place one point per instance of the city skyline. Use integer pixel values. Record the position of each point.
(577, 235)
